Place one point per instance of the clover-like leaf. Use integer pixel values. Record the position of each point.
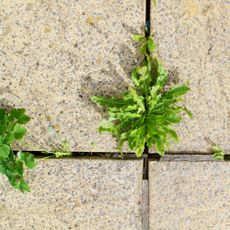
(19, 132)
(4, 151)
(28, 159)
(11, 165)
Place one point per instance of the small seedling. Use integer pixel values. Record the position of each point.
(146, 113)
(11, 130)
(62, 151)
(217, 152)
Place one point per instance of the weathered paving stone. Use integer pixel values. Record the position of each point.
(193, 42)
(55, 55)
(76, 194)
(189, 195)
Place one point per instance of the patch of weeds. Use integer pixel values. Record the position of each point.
(146, 112)
(11, 130)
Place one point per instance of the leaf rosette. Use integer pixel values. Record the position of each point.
(146, 112)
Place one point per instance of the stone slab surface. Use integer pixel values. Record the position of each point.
(55, 55)
(76, 194)
(145, 205)
(193, 39)
(189, 195)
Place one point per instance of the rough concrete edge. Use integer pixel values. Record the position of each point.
(186, 157)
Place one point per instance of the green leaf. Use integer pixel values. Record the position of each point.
(24, 187)
(162, 76)
(143, 48)
(2, 167)
(19, 132)
(4, 151)
(151, 44)
(19, 167)
(142, 71)
(109, 101)
(20, 115)
(138, 38)
(138, 99)
(177, 91)
(11, 129)
(188, 112)
(2, 114)
(218, 153)
(135, 78)
(28, 159)
(23, 119)
(3, 129)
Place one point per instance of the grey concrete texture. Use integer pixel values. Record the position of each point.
(55, 55)
(76, 194)
(145, 205)
(193, 42)
(189, 195)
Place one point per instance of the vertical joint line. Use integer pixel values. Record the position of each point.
(147, 17)
(147, 34)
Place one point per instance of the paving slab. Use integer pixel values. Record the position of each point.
(193, 42)
(189, 195)
(76, 194)
(55, 55)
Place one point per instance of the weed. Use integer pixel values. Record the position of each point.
(145, 114)
(11, 130)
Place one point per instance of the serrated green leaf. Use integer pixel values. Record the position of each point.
(138, 99)
(177, 91)
(110, 101)
(106, 126)
(162, 76)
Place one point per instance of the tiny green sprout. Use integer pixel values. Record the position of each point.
(62, 151)
(217, 152)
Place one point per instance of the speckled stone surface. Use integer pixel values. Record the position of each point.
(189, 195)
(55, 55)
(193, 40)
(145, 205)
(76, 194)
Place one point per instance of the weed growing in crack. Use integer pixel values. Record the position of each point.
(217, 152)
(146, 112)
(62, 151)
